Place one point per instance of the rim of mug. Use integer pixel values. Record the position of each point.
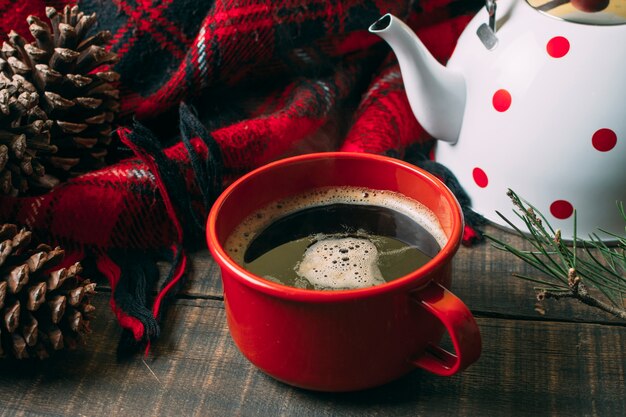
(415, 279)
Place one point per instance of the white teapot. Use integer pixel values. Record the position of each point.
(532, 99)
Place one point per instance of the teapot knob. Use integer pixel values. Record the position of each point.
(487, 32)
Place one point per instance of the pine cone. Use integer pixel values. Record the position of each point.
(43, 308)
(56, 105)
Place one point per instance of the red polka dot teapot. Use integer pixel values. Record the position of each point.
(532, 99)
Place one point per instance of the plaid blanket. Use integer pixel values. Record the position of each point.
(261, 80)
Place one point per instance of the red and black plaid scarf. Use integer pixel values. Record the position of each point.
(269, 79)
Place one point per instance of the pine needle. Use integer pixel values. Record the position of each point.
(568, 270)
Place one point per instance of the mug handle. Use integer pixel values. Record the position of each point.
(459, 323)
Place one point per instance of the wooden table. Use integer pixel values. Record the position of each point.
(569, 362)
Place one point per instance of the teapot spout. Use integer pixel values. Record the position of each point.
(436, 93)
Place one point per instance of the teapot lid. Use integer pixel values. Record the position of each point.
(589, 12)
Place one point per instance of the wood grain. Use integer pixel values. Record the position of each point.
(527, 368)
(483, 278)
(565, 363)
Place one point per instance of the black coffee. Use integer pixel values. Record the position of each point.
(337, 238)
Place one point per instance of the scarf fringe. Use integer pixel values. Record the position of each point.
(133, 273)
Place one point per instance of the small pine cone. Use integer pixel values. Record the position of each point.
(57, 101)
(43, 307)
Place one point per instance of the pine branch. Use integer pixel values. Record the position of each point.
(569, 272)
(579, 291)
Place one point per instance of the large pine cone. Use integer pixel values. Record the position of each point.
(56, 105)
(43, 308)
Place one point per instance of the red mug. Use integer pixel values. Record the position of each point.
(344, 340)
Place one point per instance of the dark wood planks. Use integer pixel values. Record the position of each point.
(483, 278)
(527, 368)
(531, 365)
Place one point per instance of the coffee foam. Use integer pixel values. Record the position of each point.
(341, 263)
(246, 231)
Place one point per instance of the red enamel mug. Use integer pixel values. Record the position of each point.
(344, 340)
